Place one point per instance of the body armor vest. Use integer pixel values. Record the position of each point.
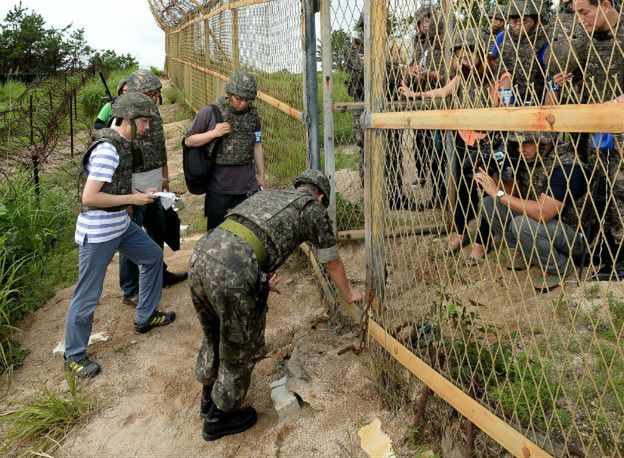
(122, 178)
(149, 149)
(275, 217)
(519, 57)
(236, 148)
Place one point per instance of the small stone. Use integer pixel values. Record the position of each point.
(184, 230)
(285, 402)
(133, 342)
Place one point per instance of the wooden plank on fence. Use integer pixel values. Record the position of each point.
(266, 98)
(403, 231)
(595, 117)
(493, 426)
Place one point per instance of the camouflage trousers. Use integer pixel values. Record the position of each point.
(229, 293)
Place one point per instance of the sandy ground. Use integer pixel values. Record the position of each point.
(148, 397)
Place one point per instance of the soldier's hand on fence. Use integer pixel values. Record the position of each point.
(222, 128)
(405, 91)
(561, 78)
(486, 182)
(274, 281)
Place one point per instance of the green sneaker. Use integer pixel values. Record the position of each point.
(548, 282)
(83, 368)
(157, 319)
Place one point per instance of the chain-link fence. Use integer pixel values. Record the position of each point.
(488, 165)
(262, 37)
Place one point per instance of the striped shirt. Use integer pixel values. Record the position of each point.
(97, 226)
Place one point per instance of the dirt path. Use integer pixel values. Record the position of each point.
(149, 399)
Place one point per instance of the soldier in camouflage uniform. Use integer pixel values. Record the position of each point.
(354, 66)
(230, 278)
(541, 225)
(149, 170)
(597, 74)
(238, 171)
(519, 68)
(495, 26)
(103, 226)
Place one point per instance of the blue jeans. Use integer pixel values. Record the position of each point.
(94, 259)
(152, 217)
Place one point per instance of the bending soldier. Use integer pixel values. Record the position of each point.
(229, 279)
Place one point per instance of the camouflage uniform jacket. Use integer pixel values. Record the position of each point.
(236, 148)
(354, 66)
(121, 183)
(518, 56)
(283, 219)
(151, 145)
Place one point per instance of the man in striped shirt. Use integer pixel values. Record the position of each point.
(104, 227)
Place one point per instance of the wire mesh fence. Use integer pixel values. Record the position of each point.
(483, 144)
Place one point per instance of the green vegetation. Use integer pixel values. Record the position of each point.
(38, 426)
(348, 215)
(90, 97)
(10, 91)
(37, 254)
(158, 72)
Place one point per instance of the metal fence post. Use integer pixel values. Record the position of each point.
(328, 106)
(310, 86)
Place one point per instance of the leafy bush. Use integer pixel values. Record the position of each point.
(92, 95)
(157, 71)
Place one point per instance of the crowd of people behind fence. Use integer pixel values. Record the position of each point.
(556, 199)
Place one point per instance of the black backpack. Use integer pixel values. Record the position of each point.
(197, 162)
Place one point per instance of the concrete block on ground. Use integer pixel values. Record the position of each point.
(184, 230)
(285, 402)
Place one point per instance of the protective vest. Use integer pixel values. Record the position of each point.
(236, 148)
(151, 147)
(122, 178)
(275, 216)
(519, 57)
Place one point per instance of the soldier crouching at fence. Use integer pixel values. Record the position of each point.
(103, 227)
(541, 225)
(229, 279)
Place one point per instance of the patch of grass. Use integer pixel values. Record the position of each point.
(593, 291)
(157, 71)
(90, 97)
(11, 90)
(389, 381)
(38, 426)
(348, 215)
(608, 375)
(174, 95)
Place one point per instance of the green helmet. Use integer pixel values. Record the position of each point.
(467, 37)
(318, 179)
(134, 105)
(121, 85)
(497, 11)
(421, 13)
(519, 8)
(243, 85)
(143, 81)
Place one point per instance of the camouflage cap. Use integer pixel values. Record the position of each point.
(467, 37)
(318, 179)
(243, 85)
(121, 85)
(421, 13)
(134, 105)
(497, 11)
(143, 81)
(519, 8)
(535, 137)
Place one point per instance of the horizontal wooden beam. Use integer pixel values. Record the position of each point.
(489, 423)
(266, 98)
(597, 117)
(358, 234)
(218, 11)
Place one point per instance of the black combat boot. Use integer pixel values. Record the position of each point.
(206, 401)
(220, 423)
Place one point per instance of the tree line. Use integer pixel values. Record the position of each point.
(29, 45)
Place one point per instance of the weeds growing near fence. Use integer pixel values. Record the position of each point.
(38, 426)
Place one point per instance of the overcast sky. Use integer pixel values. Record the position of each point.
(125, 26)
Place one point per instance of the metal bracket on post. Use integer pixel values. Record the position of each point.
(310, 85)
(328, 106)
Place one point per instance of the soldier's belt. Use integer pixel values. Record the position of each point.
(248, 236)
